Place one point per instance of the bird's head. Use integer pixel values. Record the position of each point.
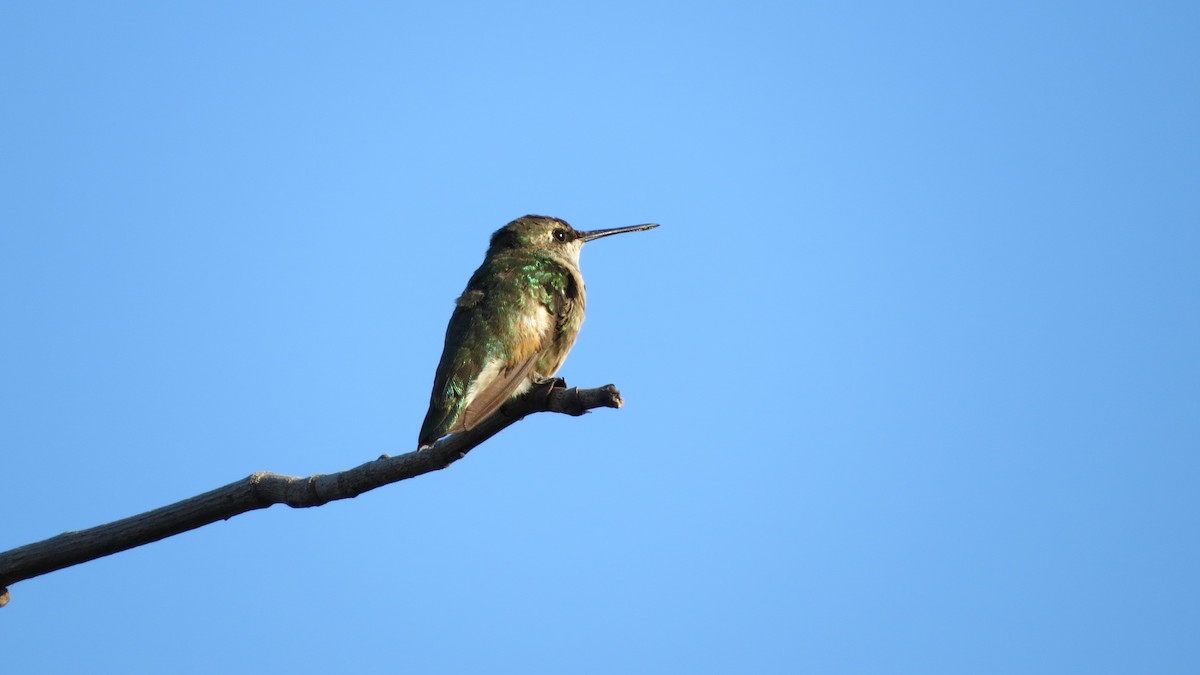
(550, 235)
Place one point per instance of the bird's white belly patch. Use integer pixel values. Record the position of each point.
(533, 332)
(537, 323)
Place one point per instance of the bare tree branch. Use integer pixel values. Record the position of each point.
(263, 489)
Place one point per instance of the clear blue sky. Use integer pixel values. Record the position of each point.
(911, 367)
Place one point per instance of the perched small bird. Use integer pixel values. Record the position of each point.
(513, 325)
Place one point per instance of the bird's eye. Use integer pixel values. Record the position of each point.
(560, 235)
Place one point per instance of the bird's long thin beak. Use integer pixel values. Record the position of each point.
(596, 234)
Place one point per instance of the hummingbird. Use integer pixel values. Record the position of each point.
(514, 324)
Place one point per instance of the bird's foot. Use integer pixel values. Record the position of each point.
(550, 382)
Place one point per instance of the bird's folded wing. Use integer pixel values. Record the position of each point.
(503, 378)
(501, 384)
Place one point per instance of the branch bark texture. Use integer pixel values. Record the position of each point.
(263, 489)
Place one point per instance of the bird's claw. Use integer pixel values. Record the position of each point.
(550, 382)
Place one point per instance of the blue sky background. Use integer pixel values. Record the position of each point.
(911, 366)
